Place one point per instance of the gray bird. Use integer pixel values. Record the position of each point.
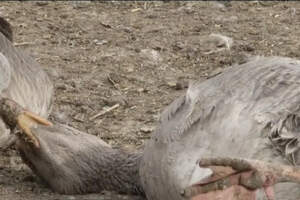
(234, 136)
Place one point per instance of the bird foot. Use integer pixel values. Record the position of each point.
(225, 184)
(28, 120)
(242, 177)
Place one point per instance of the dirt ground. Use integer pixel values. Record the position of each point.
(138, 55)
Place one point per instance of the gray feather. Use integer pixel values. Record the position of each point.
(5, 75)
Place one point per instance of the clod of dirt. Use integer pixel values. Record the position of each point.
(41, 3)
(182, 83)
(216, 42)
(61, 86)
(179, 84)
(249, 48)
(152, 56)
(221, 40)
(116, 99)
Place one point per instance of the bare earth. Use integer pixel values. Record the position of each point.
(140, 56)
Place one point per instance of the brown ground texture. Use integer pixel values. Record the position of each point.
(139, 55)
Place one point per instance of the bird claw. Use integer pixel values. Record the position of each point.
(254, 174)
(212, 187)
(28, 120)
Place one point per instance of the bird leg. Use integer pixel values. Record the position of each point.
(241, 177)
(14, 115)
(269, 173)
(216, 187)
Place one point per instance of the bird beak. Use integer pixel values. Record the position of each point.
(28, 120)
(16, 116)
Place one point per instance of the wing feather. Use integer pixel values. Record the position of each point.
(5, 73)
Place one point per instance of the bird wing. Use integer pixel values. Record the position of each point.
(5, 73)
(5, 78)
(28, 83)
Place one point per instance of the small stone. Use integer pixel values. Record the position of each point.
(152, 55)
(147, 129)
(222, 40)
(116, 99)
(141, 90)
(181, 84)
(61, 87)
(249, 48)
(41, 3)
(100, 42)
(130, 69)
(64, 16)
(172, 84)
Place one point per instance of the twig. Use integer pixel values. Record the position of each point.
(105, 25)
(105, 111)
(136, 10)
(23, 44)
(116, 86)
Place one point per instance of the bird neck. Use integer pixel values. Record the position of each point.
(120, 172)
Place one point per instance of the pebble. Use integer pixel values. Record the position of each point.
(147, 129)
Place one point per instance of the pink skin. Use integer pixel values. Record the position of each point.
(235, 190)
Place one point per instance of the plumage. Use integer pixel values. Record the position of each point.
(231, 115)
(250, 111)
(21, 79)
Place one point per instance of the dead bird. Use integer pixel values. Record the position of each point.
(22, 80)
(234, 136)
